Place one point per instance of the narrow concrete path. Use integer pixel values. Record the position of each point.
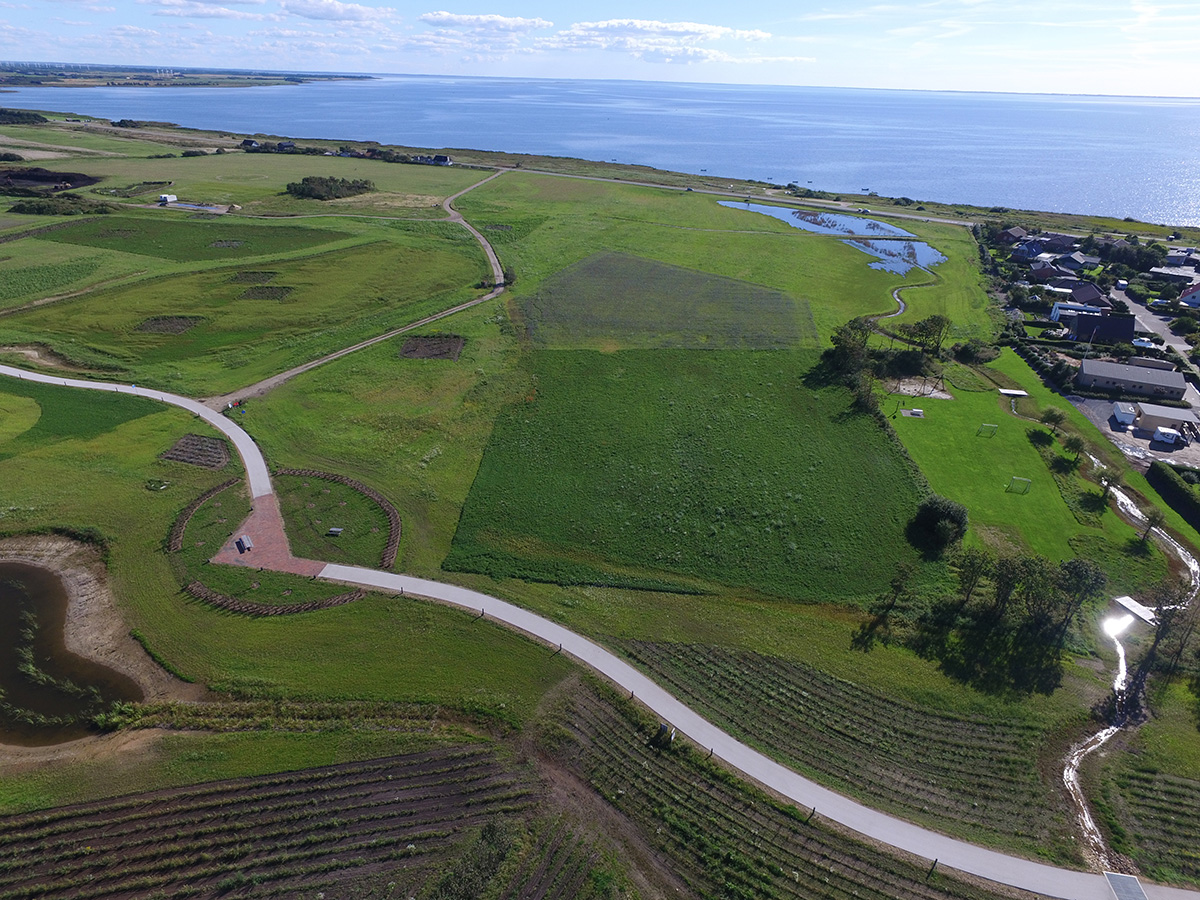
(1017, 872)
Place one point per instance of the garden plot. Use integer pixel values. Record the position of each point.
(433, 346)
(169, 324)
(615, 300)
(199, 450)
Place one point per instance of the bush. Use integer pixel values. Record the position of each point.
(939, 522)
(11, 157)
(192, 153)
(315, 187)
(20, 117)
(61, 205)
(1172, 487)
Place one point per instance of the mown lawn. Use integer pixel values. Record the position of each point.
(659, 467)
(258, 319)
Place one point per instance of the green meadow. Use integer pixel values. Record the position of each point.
(242, 324)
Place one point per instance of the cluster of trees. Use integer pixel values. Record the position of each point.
(1003, 630)
(319, 187)
(20, 117)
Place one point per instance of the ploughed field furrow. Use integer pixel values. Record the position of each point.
(109, 813)
(922, 764)
(332, 819)
(725, 840)
(555, 868)
(1164, 810)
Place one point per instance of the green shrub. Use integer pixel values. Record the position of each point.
(20, 117)
(316, 187)
(1172, 487)
(61, 205)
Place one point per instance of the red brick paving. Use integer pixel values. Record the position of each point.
(264, 525)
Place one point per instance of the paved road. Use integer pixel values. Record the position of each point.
(951, 853)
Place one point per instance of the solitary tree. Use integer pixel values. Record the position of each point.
(1074, 444)
(1054, 417)
(1109, 479)
(1154, 519)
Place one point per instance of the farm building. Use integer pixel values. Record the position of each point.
(1107, 376)
(1151, 416)
(1125, 413)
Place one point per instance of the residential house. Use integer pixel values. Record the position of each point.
(249, 144)
(1100, 328)
(1191, 296)
(1063, 309)
(1086, 292)
(1012, 235)
(1028, 250)
(1058, 243)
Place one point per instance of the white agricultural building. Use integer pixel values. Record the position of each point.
(1125, 413)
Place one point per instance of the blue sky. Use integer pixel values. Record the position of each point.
(1052, 46)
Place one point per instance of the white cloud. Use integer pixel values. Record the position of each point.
(334, 10)
(196, 9)
(653, 41)
(484, 22)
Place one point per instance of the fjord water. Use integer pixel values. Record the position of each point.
(1113, 156)
(47, 693)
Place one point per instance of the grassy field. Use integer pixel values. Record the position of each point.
(79, 471)
(248, 323)
(35, 269)
(720, 466)
(311, 507)
(542, 225)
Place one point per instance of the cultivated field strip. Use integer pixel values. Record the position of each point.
(724, 840)
(1162, 813)
(266, 832)
(929, 767)
(554, 868)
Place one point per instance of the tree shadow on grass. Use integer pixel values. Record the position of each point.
(1137, 548)
(1092, 502)
(1064, 465)
(1039, 437)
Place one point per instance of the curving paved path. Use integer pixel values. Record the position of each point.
(990, 864)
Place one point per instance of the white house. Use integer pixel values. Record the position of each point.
(1191, 296)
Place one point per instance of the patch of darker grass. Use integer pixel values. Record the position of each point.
(635, 302)
(69, 413)
(267, 292)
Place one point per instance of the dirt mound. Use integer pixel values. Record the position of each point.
(270, 292)
(433, 346)
(44, 179)
(198, 450)
(169, 324)
(252, 277)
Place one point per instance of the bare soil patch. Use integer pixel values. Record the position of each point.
(433, 346)
(170, 324)
(252, 277)
(226, 245)
(43, 356)
(199, 450)
(916, 387)
(267, 292)
(44, 179)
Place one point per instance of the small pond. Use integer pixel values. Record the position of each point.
(47, 694)
(820, 221)
(899, 257)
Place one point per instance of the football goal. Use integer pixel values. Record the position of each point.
(1018, 486)
(987, 430)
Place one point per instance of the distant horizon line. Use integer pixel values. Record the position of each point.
(718, 84)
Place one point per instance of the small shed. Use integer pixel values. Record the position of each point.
(1152, 416)
(167, 198)
(1125, 413)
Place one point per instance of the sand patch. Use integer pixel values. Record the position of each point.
(916, 387)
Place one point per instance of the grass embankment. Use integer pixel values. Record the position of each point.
(238, 325)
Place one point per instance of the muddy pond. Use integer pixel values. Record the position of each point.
(48, 695)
